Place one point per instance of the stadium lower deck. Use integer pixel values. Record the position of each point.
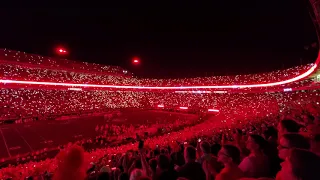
(29, 137)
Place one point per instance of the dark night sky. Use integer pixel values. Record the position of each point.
(178, 39)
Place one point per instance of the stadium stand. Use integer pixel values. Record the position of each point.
(254, 134)
(45, 73)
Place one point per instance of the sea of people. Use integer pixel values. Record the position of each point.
(37, 68)
(47, 103)
(160, 125)
(204, 150)
(262, 135)
(113, 133)
(33, 60)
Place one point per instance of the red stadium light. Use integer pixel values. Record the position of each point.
(61, 51)
(213, 110)
(135, 60)
(287, 89)
(183, 108)
(160, 106)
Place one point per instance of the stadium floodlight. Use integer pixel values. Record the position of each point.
(135, 60)
(61, 51)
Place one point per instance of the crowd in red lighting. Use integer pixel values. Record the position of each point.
(253, 114)
(54, 63)
(248, 136)
(47, 103)
(52, 70)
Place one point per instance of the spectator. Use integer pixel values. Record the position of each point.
(271, 135)
(153, 165)
(215, 148)
(315, 144)
(300, 164)
(135, 165)
(164, 172)
(71, 166)
(204, 152)
(288, 141)
(229, 155)
(136, 174)
(288, 126)
(238, 138)
(192, 170)
(239, 142)
(257, 163)
(177, 157)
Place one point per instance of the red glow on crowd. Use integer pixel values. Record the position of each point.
(36, 88)
(112, 76)
(301, 76)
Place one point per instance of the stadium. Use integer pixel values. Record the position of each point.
(62, 114)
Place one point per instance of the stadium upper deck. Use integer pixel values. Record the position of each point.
(33, 60)
(22, 68)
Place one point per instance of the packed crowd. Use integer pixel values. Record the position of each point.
(20, 103)
(94, 74)
(13, 57)
(47, 103)
(212, 149)
(161, 125)
(248, 121)
(256, 135)
(17, 72)
(113, 134)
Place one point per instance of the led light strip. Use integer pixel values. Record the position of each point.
(301, 76)
(213, 110)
